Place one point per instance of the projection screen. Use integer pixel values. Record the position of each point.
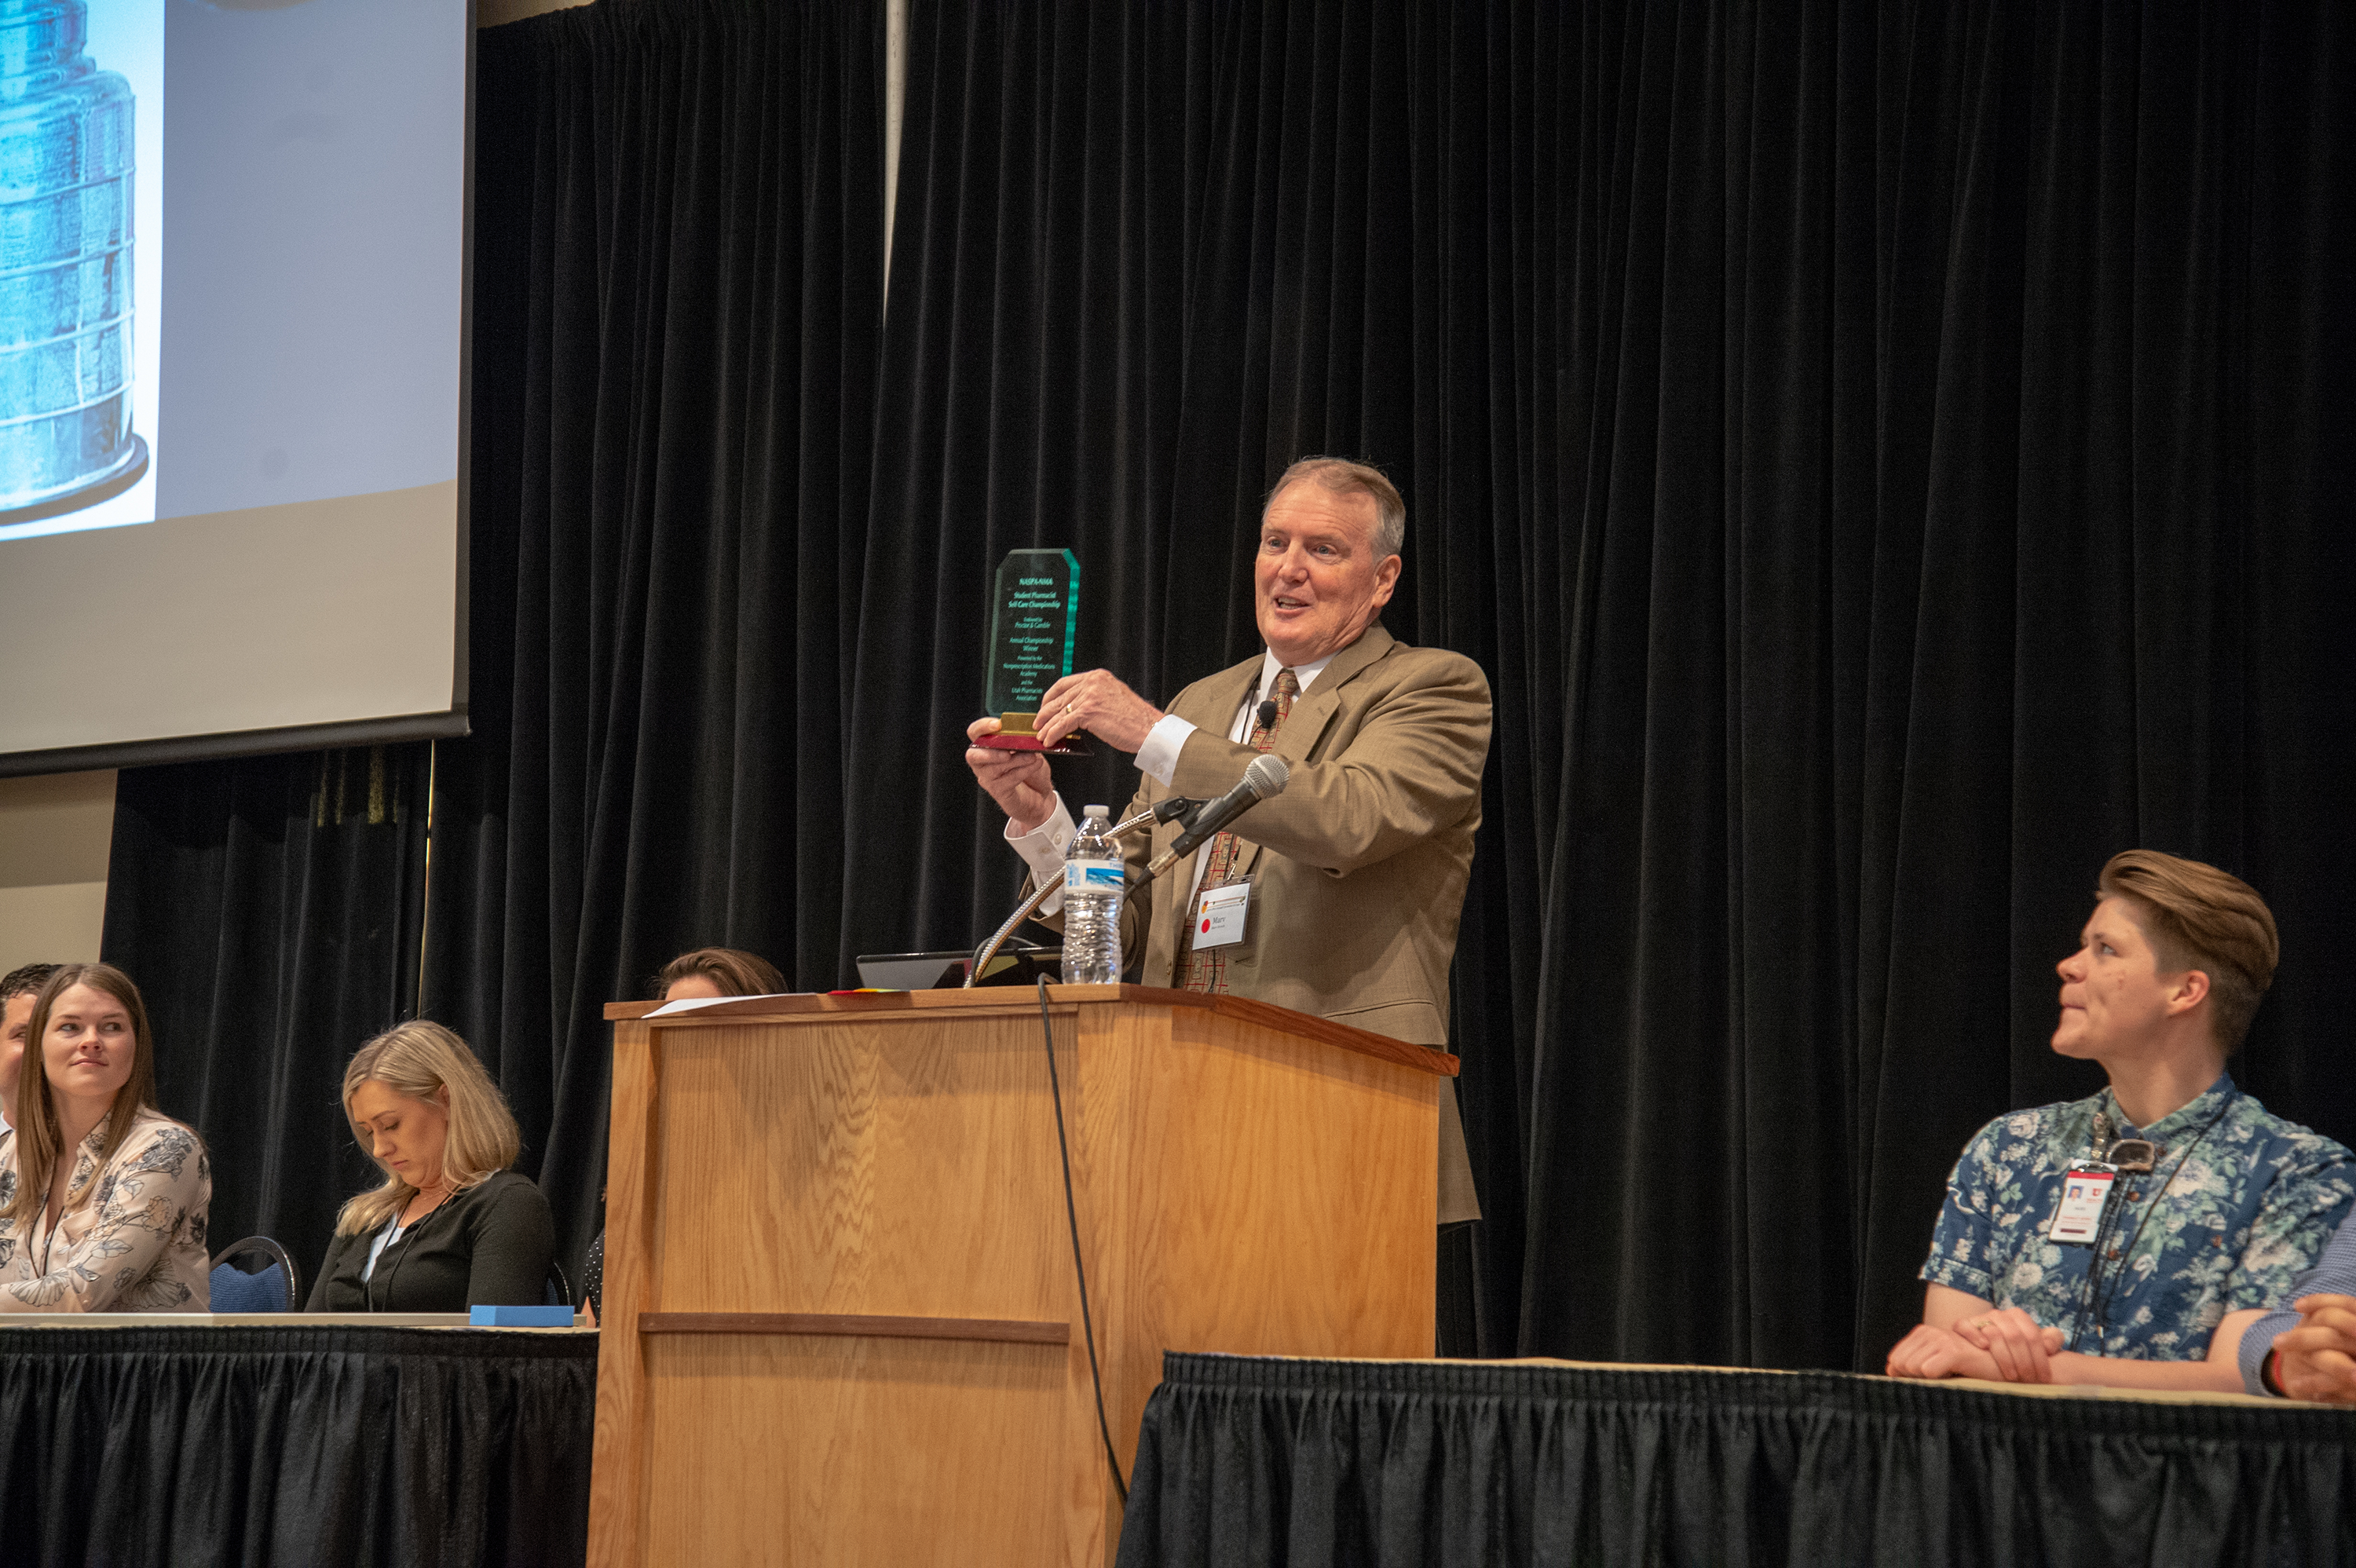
(232, 329)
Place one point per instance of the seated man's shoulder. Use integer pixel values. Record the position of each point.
(2280, 1151)
(2036, 1130)
(1985, 1230)
(2251, 1123)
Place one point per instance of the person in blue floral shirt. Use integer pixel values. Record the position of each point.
(2131, 1237)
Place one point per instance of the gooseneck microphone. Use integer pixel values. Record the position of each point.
(1264, 779)
(1266, 776)
(1170, 808)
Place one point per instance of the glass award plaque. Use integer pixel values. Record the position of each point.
(1034, 614)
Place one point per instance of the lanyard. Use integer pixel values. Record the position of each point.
(368, 1297)
(2090, 1291)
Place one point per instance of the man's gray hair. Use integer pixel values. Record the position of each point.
(1345, 477)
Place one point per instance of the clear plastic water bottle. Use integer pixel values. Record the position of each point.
(65, 266)
(1093, 884)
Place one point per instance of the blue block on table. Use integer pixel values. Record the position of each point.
(520, 1317)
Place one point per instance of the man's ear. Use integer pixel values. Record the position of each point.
(2191, 988)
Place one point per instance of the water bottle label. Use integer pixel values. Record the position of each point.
(1092, 876)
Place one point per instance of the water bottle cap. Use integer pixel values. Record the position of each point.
(1104, 811)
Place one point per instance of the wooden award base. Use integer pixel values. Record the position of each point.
(1016, 732)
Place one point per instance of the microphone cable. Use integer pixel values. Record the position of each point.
(1079, 1268)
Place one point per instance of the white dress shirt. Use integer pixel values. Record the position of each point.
(1042, 848)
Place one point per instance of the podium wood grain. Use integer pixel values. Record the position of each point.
(841, 1322)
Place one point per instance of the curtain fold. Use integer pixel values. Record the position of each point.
(678, 232)
(1028, 398)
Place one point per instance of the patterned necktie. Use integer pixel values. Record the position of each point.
(1208, 971)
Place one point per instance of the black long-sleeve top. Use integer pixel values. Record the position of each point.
(488, 1246)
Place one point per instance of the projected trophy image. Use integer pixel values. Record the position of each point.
(66, 268)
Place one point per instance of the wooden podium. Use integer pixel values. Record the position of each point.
(842, 1325)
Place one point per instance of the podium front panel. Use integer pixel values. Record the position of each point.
(842, 1325)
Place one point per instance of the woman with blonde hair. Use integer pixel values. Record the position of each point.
(102, 1196)
(451, 1226)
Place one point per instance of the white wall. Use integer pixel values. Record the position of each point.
(54, 834)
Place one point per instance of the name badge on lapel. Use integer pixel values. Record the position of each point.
(1219, 915)
(2083, 1193)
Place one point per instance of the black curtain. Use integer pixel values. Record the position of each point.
(678, 285)
(268, 909)
(1887, 457)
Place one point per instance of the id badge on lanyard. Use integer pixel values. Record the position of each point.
(2085, 1190)
(1219, 915)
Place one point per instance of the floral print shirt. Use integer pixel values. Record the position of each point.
(135, 1245)
(2226, 1219)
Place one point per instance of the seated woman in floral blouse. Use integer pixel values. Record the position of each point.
(2131, 1238)
(102, 1197)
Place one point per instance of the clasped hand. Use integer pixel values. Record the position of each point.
(2006, 1345)
(1094, 701)
(2316, 1359)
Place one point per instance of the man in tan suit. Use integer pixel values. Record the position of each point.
(1356, 872)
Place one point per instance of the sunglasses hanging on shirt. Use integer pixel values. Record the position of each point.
(2135, 1155)
(2140, 1156)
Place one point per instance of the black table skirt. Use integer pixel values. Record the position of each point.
(1245, 1461)
(291, 1447)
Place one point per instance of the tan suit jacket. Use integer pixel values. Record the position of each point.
(1358, 868)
